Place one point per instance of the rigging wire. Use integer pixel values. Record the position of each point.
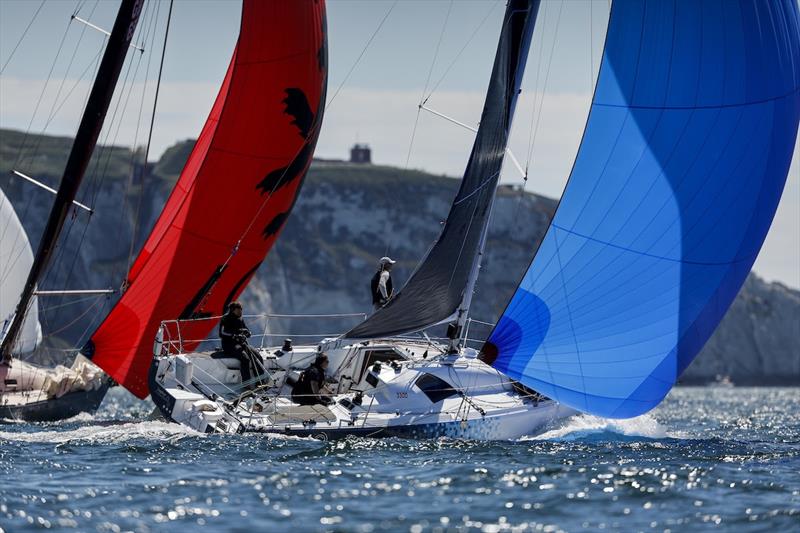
(536, 110)
(51, 113)
(591, 45)
(21, 149)
(57, 270)
(426, 96)
(93, 62)
(24, 33)
(61, 249)
(363, 51)
(67, 304)
(458, 55)
(74, 320)
(544, 88)
(149, 139)
(147, 36)
(428, 81)
(35, 150)
(94, 182)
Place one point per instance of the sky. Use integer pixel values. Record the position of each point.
(374, 90)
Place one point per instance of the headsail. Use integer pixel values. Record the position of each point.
(678, 176)
(235, 192)
(16, 258)
(436, 289)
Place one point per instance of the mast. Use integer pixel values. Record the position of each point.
(82, 148)
(463, 309)
(441, 287)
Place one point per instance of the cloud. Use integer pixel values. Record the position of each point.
(182, 110)
(385, 119)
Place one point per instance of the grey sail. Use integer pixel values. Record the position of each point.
(436, 289)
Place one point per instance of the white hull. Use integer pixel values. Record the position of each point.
(33, 394)
(473, 401)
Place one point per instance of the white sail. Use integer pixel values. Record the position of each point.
(16, 258)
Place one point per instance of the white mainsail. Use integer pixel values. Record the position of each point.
(16, 258)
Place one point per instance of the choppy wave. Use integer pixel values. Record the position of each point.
(582, 427)
(109, 433)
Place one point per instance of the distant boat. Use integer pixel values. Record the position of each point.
(29, 392)
(723, 381)
(679, 173)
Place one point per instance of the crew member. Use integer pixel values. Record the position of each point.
(381, 284)
(233, 333)
(308, 387)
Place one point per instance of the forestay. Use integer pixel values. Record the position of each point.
(436, 288)
(680, 170)
(16, 258)
(235, 192)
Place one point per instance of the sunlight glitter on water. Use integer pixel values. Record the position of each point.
(704, 459)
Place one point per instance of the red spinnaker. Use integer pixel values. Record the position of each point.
(235, 192)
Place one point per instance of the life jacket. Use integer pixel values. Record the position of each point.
(375, 286)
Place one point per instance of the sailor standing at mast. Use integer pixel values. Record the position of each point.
(381, 284)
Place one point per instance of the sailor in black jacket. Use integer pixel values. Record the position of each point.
(308, 390)
(233, 333)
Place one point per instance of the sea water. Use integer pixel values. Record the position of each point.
(705, 458)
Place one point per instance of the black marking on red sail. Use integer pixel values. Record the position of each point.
(296, 106)
(281, 177)
(190, 312)
(239, 284)
(275, 224)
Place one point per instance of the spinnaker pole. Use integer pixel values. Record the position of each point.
(81, 153)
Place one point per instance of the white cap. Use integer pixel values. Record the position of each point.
(387, 261)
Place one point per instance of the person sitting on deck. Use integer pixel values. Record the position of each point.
(233, 333)
(308, 387)
(381, 284)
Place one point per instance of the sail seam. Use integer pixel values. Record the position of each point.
(794, 91)
(654, 256)
(476, 190)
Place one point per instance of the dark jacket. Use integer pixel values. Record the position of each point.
(302, 392)
(229, 327)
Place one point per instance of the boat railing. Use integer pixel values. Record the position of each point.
(179, 336)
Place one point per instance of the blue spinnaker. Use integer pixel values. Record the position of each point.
(677, 179)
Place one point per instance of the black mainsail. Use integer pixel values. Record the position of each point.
(82, 148)
(441, 283)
